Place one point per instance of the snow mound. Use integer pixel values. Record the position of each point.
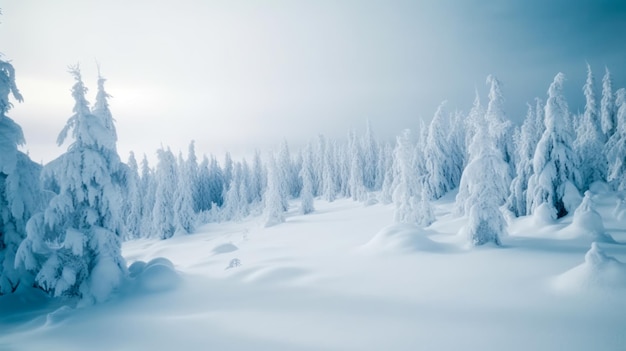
(587, 222)
(544, 214)
(225, 248)
(402, 238)
(58, 315)
(598, 272)
(155, 276)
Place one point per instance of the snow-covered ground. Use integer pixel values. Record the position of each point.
(343, 278)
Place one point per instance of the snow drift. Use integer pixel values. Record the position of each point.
(599, 272)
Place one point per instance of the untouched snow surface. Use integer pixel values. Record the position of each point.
(342, 278)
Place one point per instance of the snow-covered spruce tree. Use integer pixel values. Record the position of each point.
(20, 192)
(411, 206)
(203, 195)
(357, 189)
(218, 182)
(74, 246)
(133, 208)
(616, 146)
(456, 140)
(306, 174)
(525, 141)
(147, 185)
(370, 152)
(607, 106)
(554, 162)
(442, 174)
(257, 178)
(389, 177)
(330, 168)
(184, 214)
(590, 139)
(476, 112)
(166, 182)
(274, 212)
(485, 179)
(499, 125)
(192, 169)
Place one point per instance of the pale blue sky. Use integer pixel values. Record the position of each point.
(235, 75)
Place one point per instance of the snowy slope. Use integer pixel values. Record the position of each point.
(341, 278)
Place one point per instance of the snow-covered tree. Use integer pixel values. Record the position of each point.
(74, 246)
(357, 189)
(133, 209)
(274, 209)
(485, 186)
(148, 192)
(257, 179)
(616, 146)
(525, 141)
(370, 152)
(20, 191)
(166, 182)
(499, 125)
(192, 170)
(607, 106)
(203, 195)
(411, 204)
(442, 174)
(590, 140)
(306, 173)
(184, 215)
(554, 162)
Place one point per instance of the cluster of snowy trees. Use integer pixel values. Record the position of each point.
(61, 225)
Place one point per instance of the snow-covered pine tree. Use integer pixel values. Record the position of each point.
(218, 182)
(330, 168)
(274, 209)
(357, 189)
(257, 179)
(389, 177)
(166, 182)
(192, 170)
(74, 246)
(306, 174)
(485, 179)
(525, 140)
(203, 196)
(148, 194)
(499, 125)
(184, 214)
(554, 162)
(616, 146)
(607, 106)
(20, 190)
(133, 209)
(370, 152)
(411, 207)
(590, 139)
(442, 174)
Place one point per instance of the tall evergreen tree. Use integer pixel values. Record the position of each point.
(442, 174)
(411, 204)
(554, 162)
(607, 106)
(306, 173)
(184, 214)
(166, 182)
(616, 146)
(274, 203)
(74, 246)
(590, 140)
(485, 180)
(20, 191)
(133, 210)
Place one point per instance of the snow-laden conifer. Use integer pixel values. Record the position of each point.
(74, 246)
(554, 161)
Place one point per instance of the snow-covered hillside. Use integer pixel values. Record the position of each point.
(341, 278)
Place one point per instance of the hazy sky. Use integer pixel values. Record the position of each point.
(234, 75)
